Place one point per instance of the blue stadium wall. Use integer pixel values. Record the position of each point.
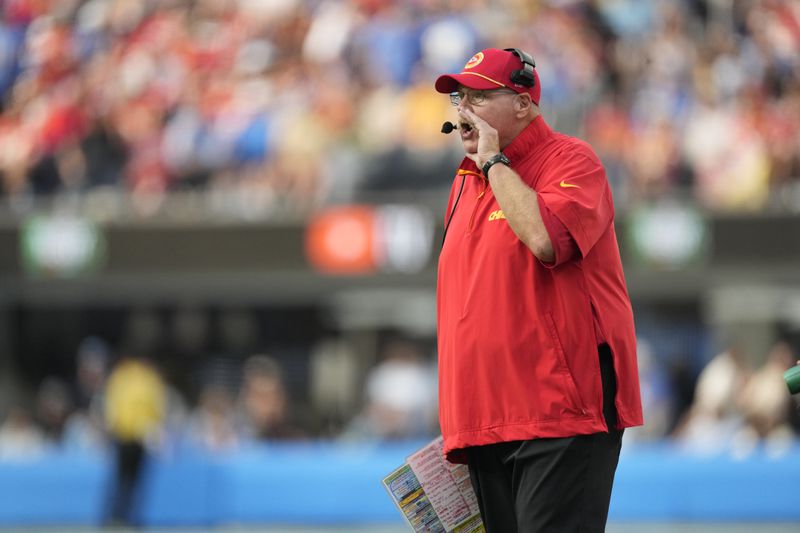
(334, 483)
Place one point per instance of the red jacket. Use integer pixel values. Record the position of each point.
(517, 339)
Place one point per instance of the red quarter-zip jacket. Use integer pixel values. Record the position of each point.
(517, 339)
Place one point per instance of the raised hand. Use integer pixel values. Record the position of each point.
(488, 139)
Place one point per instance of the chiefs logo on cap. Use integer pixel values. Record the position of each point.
(474, 60)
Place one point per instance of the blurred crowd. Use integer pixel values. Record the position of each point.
(301, 102)
(734, 405)
(129, 400)
(118, 398)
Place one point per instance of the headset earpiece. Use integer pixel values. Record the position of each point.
(525, 75)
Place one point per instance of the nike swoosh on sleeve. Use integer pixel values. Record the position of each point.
(566, 185)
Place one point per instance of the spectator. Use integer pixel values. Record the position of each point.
(211, 425)
(400, 396)
(265, 401)
(20, 438)
(92, 362)
(54, 405)
(714, 419)
(764, 403)
(85, 427)
(657, 397)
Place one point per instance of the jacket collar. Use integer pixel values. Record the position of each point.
(530, 140)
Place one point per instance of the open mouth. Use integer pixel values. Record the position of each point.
(465, 127)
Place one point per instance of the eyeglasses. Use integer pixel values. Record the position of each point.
(476, 97)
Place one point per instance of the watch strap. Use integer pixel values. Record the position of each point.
(499, 157)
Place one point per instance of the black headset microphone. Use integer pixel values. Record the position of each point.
(448, 127)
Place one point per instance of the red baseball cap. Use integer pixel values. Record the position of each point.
(490, 69)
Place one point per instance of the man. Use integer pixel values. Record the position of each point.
(537, 365)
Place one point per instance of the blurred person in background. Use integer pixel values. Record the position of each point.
(91, 372)
(400, 396)
(20, 437)
(135, 409)
(764, 403)
(537, 351)
(658, 396)
(714, 418)
(265, 401)
(54, 405)
(85, 427)
(211, 425)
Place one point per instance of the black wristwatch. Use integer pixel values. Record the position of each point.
(499, 157)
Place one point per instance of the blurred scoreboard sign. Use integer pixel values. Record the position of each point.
(61, 246)
(669, 252)
(667, 236)
(362, 239)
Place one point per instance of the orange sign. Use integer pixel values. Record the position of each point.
(341, 240)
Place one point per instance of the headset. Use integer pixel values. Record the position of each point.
(525, 75)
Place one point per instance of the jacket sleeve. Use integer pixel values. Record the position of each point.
(564, 246)
(575, 190)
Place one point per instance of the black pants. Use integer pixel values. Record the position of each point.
(130, 460)
(558, 485)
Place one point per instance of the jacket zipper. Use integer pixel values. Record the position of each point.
(477, 202)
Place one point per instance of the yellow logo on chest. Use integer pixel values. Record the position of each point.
(497, 215)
